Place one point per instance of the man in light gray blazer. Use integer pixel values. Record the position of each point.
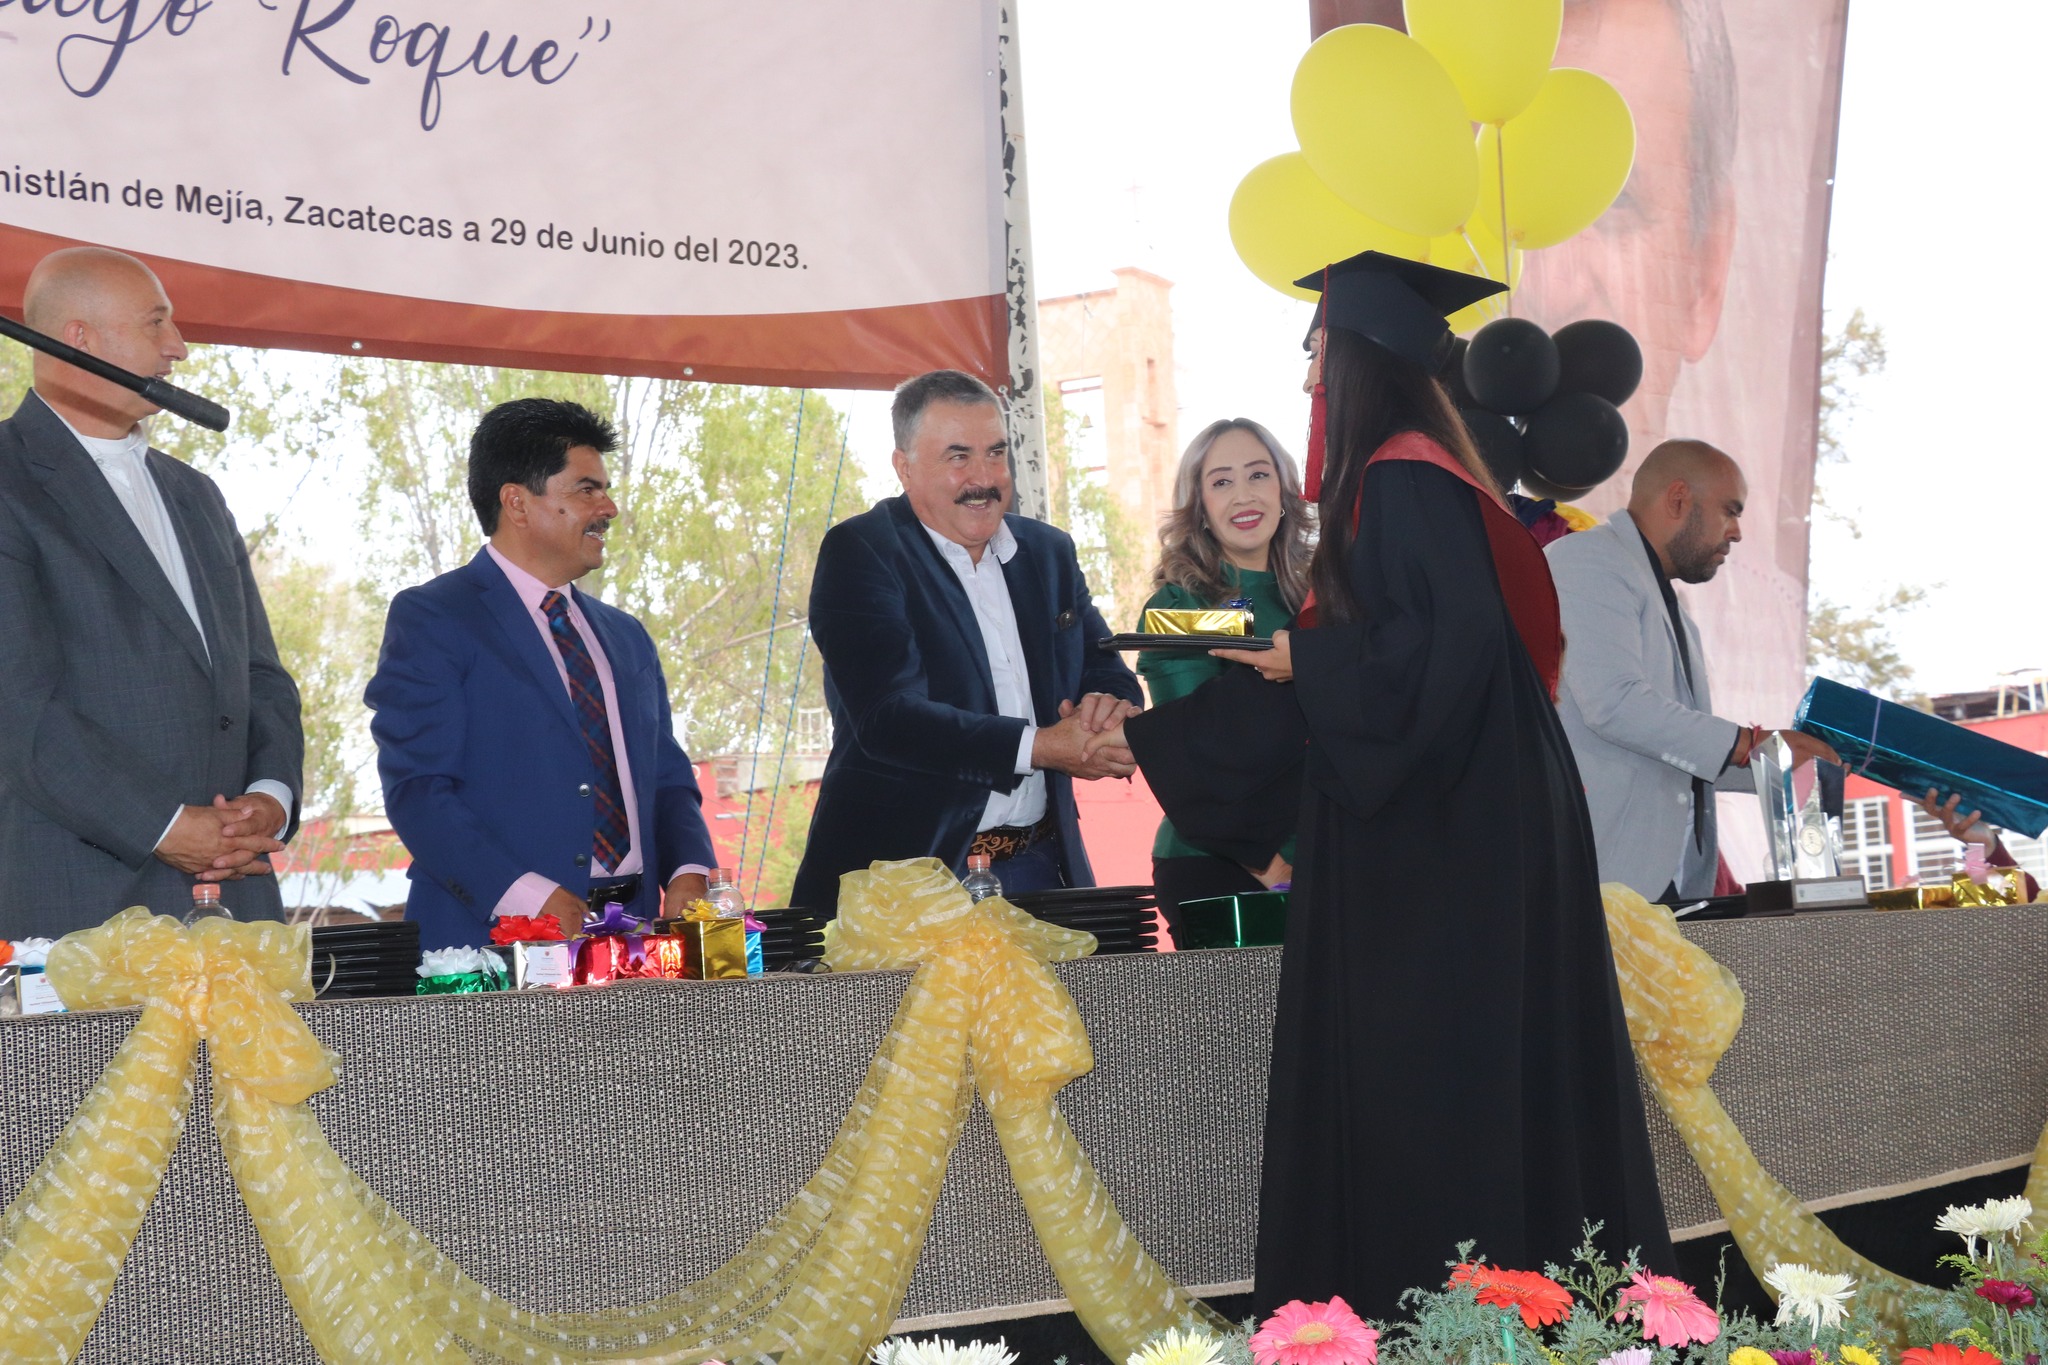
(148, 735)
(1634, 693)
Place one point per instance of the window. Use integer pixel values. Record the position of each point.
(1867, 840)
(1935, 855)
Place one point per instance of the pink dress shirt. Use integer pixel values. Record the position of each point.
(530, 892)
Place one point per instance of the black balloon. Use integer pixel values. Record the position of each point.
(1511, 367)
(1452, 375)
(1536, 486)
(1500, 445)
(1576, 440)
(1600, 358)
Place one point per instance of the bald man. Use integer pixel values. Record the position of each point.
(149, 738)
(1634, 694)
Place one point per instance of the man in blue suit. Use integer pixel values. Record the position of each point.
(523, 732)
(960, 666)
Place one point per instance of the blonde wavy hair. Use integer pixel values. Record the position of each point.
(1189, 556)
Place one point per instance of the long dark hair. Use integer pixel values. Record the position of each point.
(1373, 396)
(1189, 556)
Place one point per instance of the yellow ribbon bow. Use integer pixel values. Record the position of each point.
(819, 1285)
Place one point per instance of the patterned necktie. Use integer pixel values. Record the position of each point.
(612, 840)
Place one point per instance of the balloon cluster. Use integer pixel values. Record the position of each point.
(1389, 161)
(1545, 410)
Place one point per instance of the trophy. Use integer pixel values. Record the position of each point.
(1802, 842)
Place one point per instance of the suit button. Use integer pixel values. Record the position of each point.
(582, 859)
(583, 790)
(227, 722)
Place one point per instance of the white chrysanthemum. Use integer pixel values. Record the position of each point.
(904, 1351)
(1815, 1296)
(2007, 1215)
(1986, 1220)
(1177, 1347)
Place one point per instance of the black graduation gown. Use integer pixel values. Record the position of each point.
(1450, 1059)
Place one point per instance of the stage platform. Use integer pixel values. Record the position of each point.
(580, 1149)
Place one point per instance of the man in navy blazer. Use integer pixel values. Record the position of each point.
(523, 731)
(960, 666)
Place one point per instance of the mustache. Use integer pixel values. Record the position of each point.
(990, 493)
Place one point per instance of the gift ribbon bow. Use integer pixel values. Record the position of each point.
(701, 912)
(527, 929)
(614, 919)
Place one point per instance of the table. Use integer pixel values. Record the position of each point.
(593, 1147)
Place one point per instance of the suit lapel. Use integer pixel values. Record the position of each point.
(1033, 609)
(189, 521)
(71, 479)
(945, 586)
(1631, 538)
(522, 637)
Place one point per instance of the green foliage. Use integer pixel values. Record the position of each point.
(1852, 644)
(1113, 550)
(701, 480)
(1856, 351)
(327, 629)
(14, 375)
(1855, 646)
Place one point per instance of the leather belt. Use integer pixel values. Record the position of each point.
(1007, 841)
(613, 890)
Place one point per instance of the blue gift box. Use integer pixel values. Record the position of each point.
(1912, 751)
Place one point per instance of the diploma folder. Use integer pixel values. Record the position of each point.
(1185, 644)
(1912, 751)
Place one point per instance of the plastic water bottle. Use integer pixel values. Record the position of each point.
(206, 903)
(979, 881)
(724, 893)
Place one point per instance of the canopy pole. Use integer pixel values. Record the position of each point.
(1026, 414)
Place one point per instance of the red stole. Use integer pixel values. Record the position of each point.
(1518, 561)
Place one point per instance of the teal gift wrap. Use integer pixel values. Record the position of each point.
(1912, 751)
(1257, 919)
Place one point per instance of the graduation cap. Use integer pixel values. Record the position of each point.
(1398, 303)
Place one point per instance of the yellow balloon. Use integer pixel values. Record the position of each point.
(1497, 51)
(1477, 252)
(1380, 121)
(1567, 156)
(1285, 223)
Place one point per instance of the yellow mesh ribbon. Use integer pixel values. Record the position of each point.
(1684, 1009)
(818, 1285)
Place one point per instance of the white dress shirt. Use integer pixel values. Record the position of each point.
(124, 461)
(989, 594)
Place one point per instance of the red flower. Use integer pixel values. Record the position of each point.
(1942, 1353)
(2007, 1295)
(1538, 1298)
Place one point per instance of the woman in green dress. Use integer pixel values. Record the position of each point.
(1239, 531)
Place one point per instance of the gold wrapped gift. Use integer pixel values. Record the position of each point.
(1207, 621)
(714, 949)
(2001, 886)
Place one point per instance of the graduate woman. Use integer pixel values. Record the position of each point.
(1450, 1060)
(1239, 531)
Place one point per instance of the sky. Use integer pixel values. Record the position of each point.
(1141, 117)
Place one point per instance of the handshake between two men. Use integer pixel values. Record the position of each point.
(1088, 741)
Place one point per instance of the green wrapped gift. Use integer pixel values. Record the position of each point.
(1257, 919)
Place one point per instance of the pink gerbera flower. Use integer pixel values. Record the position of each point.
(1671, 1314)
(2006, 1294)
(1315, 1334)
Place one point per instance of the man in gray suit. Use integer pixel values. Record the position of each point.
(149, 738)
(1634, 693)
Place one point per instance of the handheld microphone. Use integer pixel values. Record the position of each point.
(183, 402)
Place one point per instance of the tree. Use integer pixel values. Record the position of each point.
(1850, 644)
(1115, 553)
(1856, 647)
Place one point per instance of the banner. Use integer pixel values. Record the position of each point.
(795, 193)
